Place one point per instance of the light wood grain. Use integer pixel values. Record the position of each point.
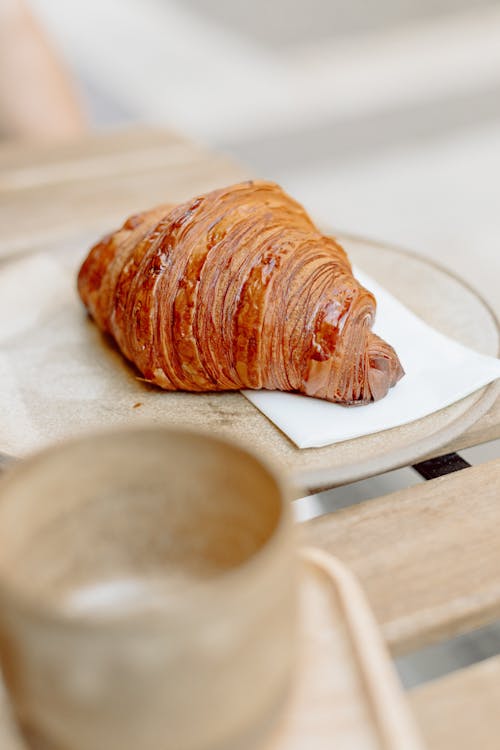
(48, 194)
(461, 711)
(359, 703)
(428, 557)
(16, 156)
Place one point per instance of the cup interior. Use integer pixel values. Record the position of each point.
(92, 524)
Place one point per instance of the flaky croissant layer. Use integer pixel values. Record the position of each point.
(238, 289)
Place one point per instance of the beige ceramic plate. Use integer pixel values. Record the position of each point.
(438, 297)
(345, 693)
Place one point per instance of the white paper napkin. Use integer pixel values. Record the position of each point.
(439, 371)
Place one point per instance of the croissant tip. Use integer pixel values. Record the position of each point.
(384, 372)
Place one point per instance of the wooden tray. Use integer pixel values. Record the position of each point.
(346, 694)
(437, 296)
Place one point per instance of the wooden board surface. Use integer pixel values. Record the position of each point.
(461, 711)
(428, 557)
(21, 155)
(49, 193)
(345, 688)
(52, 196)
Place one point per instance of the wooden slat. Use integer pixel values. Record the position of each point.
(47, 195)
(24, 184)
(461, 711)
(428, 557)
(19, 155)
(53, 212)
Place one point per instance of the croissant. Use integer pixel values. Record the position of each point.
(238, 289)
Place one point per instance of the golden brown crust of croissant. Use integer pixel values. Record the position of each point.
(238, 289)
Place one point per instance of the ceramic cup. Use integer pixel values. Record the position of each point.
(147, 593)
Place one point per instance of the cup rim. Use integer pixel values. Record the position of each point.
(44, 611)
